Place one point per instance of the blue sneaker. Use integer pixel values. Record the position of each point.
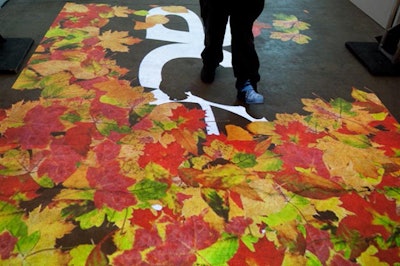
(249, 95)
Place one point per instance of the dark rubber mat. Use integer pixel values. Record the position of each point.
(373, 59)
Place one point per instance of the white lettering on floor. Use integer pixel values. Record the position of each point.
(182, 44)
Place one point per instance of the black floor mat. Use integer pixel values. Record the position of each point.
(373, 59)
(13, 52)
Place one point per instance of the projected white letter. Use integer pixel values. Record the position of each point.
(185, 44)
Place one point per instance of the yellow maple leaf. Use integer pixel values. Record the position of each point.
(72, 8)
(294, 259)
(368, 258)
(28, 79)
(77, 179)
(117, 41)
(121, 93)
(151, 21)
(122, 11)
(15, 162)
(50, 224)
(195, 205)
(50, 67)
(363, 96)
(358, 167)
(157, 19)
(49, 257)
(237, 133)
(332, 204)
(271, 201)
(140, 25)
(261, 128)
(16, 114)
(58, 86)
(219, 149)
(175, 9)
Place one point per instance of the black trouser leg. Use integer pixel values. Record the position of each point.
(244, 56)
(215, 15)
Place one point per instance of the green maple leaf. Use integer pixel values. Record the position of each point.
(93, 218)
(28, 242)
(268, 161)
(142, 13)
(244, 160)
(288, 213)
(343, 106)
(149, 190)
(70, 38)
(220, 252)
(11, 220)
(249, 241)
(80, 254)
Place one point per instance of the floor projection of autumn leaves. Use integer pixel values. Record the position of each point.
(92, 173)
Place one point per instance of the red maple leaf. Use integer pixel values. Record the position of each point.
(163, 255)
(169, 157)
(389, 123)
(294, 156)
(107, 151)
(240, 145)
(184, 239)
(389, 141)
(238, 225)
(80, 137)
(91, 17)
(5, 144)
(118, 114)
(265, 253)
(7, 244)
(111, 186)
(318, 242)
(129, 257)
(40, 122)
(364, 209)
(298, 133)
(192, 119)
(145, 238)
(61, 163)
(390, 256)
(144, 124)
(339, 260)
(117, 200)
(3, 114)
(89, 84)
(144, 218)
(13, 185)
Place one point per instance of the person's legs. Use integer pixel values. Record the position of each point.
(215, 15)
(244, 56)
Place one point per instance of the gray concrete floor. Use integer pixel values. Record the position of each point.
(322, 68)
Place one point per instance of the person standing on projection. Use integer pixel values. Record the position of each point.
(215, 14)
